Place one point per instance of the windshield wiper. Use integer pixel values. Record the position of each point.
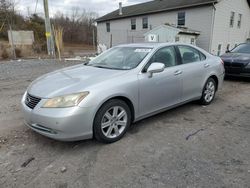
(99, 66)
(105, 67)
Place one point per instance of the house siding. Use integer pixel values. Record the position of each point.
(198, 18)
(222, 32)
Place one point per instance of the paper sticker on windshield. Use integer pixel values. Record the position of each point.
(143, 50)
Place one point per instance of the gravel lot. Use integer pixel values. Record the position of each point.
(190, 146)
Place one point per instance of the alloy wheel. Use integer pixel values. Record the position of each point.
(209, 91)
(114, 121)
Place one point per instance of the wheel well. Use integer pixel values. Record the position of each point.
(129, 103)
(216, 81)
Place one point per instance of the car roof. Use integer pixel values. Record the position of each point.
(150, 45)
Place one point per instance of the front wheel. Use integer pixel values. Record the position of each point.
(112, 121)
(208, 92)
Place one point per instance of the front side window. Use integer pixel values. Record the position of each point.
(232, 19)
(133, 24)
(108, 27)
(181, 18)
(239, 20)
(189, 54)
(120, 58)
(145, 23)
(165, 55)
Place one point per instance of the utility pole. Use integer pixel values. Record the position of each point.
(12, 43)
(49, 35)
(94, 45)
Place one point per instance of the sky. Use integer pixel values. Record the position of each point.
(101, 7)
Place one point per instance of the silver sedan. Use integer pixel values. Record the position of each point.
(125, 84)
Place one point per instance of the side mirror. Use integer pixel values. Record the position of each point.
(155, 68)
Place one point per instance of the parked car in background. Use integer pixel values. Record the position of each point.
(122, 85)
(237, 61)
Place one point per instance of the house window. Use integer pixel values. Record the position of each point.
(219, 50)
(232, 19)
(108, 27)
(228, 47)
(181, 18)
(192, 40)
(145, 23)
(239, 20)
(133, 24)
(177, 39)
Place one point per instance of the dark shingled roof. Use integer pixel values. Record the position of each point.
(153, 7)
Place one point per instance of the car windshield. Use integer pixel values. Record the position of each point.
(242, 48)
(120, 58)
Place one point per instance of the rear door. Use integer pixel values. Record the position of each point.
(193, 71)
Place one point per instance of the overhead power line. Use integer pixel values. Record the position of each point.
(36, 6)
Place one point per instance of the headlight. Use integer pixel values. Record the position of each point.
(65, 101)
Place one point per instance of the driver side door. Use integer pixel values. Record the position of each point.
(163, 89)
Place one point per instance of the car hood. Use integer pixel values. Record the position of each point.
(70, 80)
(236, 58)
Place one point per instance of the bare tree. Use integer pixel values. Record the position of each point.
(78, 26)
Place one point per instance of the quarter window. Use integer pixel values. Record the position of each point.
(232, 19)
(203, 57)
(108, 27)
(133, 24)
(181, 18)
(165, 55)
(145, 23)
(189, 54)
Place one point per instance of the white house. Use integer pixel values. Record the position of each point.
(222, 23)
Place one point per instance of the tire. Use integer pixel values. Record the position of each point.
(112, 121)
(208, 92)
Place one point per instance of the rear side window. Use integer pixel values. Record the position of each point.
(190, 55)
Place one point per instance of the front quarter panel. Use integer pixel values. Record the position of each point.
(123, 86)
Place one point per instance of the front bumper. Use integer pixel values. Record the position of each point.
(65, 124)
(237, 70)
(242, 74)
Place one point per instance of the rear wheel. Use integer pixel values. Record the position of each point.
(112, 121)
(209, 91)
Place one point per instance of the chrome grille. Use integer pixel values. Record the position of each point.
(31, 101)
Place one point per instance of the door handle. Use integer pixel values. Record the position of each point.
(177, 72)
(206, 65)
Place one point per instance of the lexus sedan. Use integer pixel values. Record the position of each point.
(125, 84)
(237, 61)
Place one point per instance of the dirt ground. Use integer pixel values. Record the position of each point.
(190, 146)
